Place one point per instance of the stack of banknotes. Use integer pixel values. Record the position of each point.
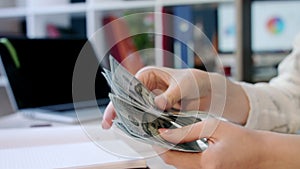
(137, 115)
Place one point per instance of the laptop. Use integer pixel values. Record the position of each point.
(40, 79)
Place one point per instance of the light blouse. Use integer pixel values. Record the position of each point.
(275, 105)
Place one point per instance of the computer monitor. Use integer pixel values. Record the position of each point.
(226, 28)
(274, 25)
(44, 76)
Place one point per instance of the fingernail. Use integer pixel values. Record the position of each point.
(164, 131)
(105, 125)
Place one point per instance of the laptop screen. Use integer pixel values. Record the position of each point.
(44, 77)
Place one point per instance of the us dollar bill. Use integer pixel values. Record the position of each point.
(120, 92)
(130, 84)
(137, 115)
(144, 125)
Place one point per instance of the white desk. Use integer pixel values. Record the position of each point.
(43, 138)
(16, 120)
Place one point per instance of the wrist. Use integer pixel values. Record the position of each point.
(203, 81)
(237, 103)
(272, 152)
(281, 151)
(265, 154)
(222, 96)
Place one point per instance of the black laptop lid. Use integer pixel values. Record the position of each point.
(44, 77)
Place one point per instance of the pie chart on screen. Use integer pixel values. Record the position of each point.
(275, 25)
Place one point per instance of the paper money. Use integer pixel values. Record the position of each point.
(137, 115)
(132, 86)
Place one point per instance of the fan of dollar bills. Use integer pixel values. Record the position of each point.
(137, 115)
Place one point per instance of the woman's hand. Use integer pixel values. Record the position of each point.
(191, 89)
(230, 147)
(180, 89)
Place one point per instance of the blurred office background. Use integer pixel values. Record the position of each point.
(273, 25)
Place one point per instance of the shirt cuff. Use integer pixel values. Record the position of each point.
(253, 103)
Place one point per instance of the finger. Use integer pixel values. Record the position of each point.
(109, 115)
(159, 79)
(181, 135)
(182, 87)
(169, 98)
(152, 78)
(204, 129)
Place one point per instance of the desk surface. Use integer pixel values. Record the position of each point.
(14, 121)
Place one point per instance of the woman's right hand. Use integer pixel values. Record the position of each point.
(180, 89)
(194, 89)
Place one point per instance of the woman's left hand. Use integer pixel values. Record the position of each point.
(230, 146)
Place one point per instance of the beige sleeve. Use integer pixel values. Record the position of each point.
(275, 105)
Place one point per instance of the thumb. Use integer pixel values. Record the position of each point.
(204, 129)
(169, 98)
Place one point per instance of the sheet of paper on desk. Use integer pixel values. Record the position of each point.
(76, 155)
